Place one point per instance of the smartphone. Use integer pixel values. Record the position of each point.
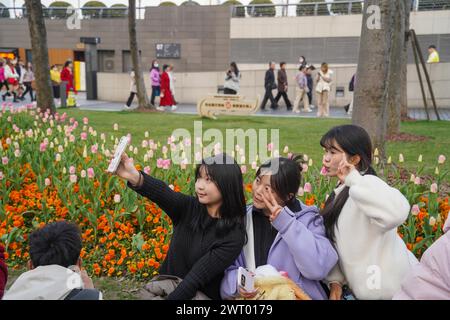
(118, 154)
(246, 280)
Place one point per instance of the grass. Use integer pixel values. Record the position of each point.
(300, 134)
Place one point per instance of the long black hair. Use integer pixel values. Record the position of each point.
(226, 174)
(353, 140)
(285, 180)
(235, 67)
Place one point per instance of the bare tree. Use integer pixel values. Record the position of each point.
(381, 56)
(404, 76)
(38, 36)
(135, 58)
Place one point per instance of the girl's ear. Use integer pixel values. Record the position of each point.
(355, 160)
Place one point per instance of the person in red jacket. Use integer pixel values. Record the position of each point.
(67, 75)
(3, 272)
(166, 95)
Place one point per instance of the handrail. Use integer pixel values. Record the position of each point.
(241, 11)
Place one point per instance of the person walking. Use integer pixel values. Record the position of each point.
(67, 75)
(55, 77)
(28, 78)
(309, 71)
(155, 78)
(166, 94)
(301, 91)
(172, 80)
(133, 90)
(283, 86)
(269, 85)
(12, 78)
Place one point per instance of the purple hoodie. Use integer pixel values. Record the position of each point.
(155, 77)
(300, 248)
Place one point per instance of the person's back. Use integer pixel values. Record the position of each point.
(54, 267)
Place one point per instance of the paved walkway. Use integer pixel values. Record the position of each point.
(338, 113)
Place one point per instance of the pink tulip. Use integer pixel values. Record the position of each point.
(415, 210)
(305, 168)
(307, 187)
(116, 198)
(147, 170)
(166, 164)
(72, 138)
(49, 131)
(43, 147)
(5, 160)
(301, 192)
(254, 165)
(71, 120)
(85, 120)
(417, 181)
(323, 171)
(72, 170)
(17, 153)
(441, 159)
(159, 163)
(94, 148)
(244, 169)
(83, 136)
(47, 182)
(434, 188)
(90, 172)
(73, 178)
(1, 176)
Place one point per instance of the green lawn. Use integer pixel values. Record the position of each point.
(300, 134)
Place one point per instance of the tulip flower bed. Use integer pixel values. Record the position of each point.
(53, 168)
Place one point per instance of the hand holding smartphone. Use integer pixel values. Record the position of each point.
(124, 141)
(246, 280)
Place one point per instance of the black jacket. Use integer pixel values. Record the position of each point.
(269, 81)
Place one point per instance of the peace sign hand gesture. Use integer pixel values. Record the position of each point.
(344, 169)
(271, 204)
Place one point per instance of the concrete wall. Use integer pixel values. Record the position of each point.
(190, 87)
(203, 32)
(324, 38)
(424, 22)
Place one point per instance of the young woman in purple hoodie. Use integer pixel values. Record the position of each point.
(155, 78)
(282, 232)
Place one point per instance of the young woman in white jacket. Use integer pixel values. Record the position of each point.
(361, 218)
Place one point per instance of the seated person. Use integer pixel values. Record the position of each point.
(54, 267)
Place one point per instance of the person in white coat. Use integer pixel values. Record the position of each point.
(133, 90)
(361, 217)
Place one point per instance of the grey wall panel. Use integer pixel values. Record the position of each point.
(339, 50)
